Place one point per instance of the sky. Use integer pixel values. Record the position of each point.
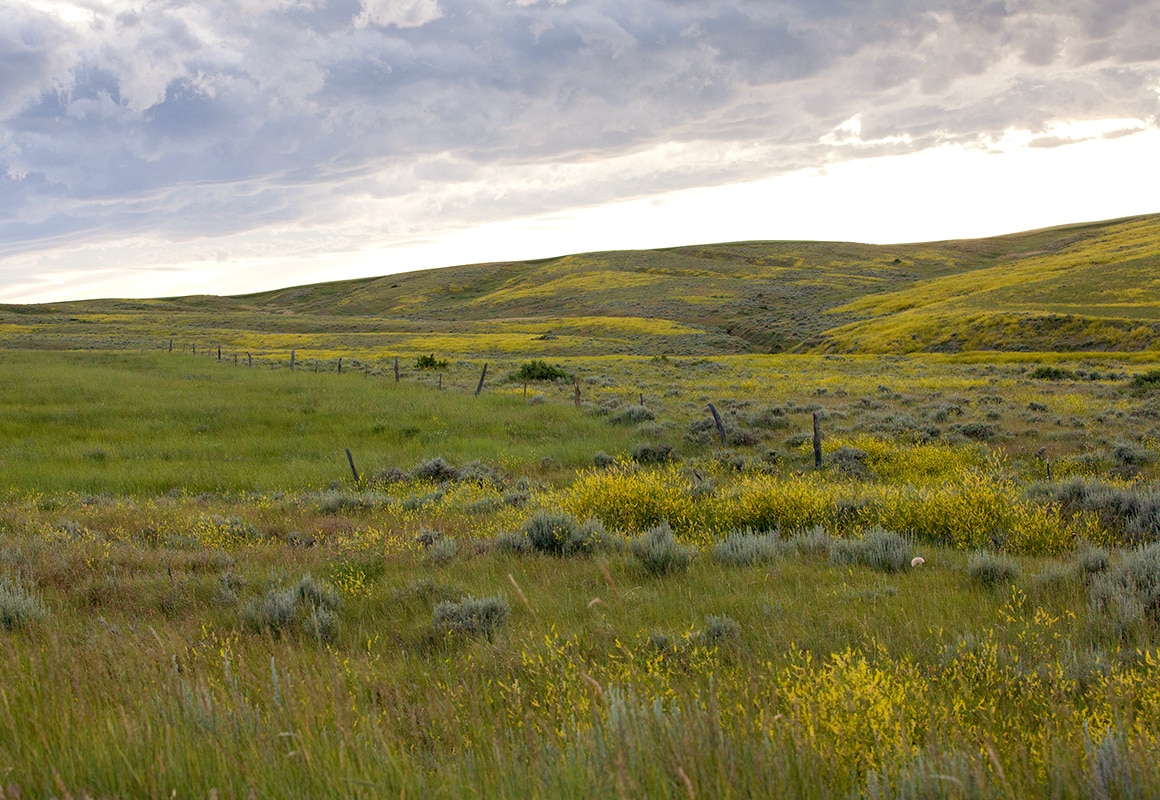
(169, 147)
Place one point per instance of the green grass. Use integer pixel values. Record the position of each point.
(133, 423)
(599, 684)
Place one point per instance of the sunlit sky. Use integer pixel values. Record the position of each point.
(161, 148)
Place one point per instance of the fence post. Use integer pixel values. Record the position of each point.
(340, 365)
(720, 424)
(249, 359)
(396, 369)
(292, 354)
(353, 471)
(482, 375)
(576, 386)
(219, 354)
(171, 345)
(817, 442)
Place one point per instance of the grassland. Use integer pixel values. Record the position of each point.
(523, 595)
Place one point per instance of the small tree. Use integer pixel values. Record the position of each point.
(538, 370)
(430, 362)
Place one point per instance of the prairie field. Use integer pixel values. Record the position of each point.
(525, 546)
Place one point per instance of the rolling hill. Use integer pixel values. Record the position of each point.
(1084, 287)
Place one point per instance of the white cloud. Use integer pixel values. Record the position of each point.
(400, 13)
(357, 125)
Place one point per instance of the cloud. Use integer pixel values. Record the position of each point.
(355, 119)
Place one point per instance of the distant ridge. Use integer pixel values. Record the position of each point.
(1092, 286)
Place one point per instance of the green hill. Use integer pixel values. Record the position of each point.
(1080, 287)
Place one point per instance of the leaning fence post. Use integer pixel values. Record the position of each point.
(720, 424)
(817, 441)
(353, 471)
(249, 359)
(482, 375)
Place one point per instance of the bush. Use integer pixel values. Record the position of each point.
(1145, 382)
(1132, 588)
(659, 552)
(602, 459)
(633, 415)
(1093, 560)
(851, 461)
(311, 607)
(435, 469)
(747, 547)
(651, 453)
(992, 570)
(430, 362)
(718, 630)
(538, 370)
(19, 607)
(882, 550)
(1048, 373)
(814, 542)
(471, 616)
(560, 534)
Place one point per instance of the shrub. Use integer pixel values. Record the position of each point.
(435, 469)
(602, 459)
(537, 370)
(1128, 455)
(633, 415)
(747, 547)
(1049, 373)
(310, 606)
(1134, 585)
(659, 552)
(1145, 382)
(850, 460)
(443, 551)
(882, 550)
(19, 607)
(560, 534)
(430, 362)
(718, 630)
(651, 453)
(512, 543)
(1093, 560)
(471, 616)
(814, 542)
(992, 570)
(979, 431)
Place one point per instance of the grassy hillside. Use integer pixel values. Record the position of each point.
(1081, 287)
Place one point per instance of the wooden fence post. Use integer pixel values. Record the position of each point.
(219, 354)
(171, 345)
(396, 369)
(482, 375)
(353, 471)
(576, 386)
(720, 424)
(817, 441)
(292, 354)
(249, 359)
(340, 365)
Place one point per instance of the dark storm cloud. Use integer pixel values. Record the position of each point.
(227, 115)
